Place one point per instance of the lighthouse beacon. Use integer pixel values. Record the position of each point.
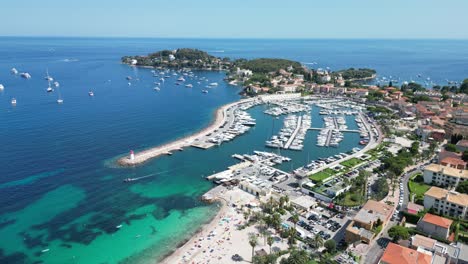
(132, 155)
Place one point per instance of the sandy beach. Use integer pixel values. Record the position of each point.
(220, 239)
(142, 156)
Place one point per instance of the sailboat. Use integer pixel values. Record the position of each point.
(49, 89)
(47, 77)
(59, 100)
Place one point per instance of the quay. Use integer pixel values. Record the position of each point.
(223, 116)
(329, 135)
(293, 136)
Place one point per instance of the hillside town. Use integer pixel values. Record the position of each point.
(402, 198)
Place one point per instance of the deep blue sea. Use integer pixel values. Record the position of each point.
(59, 186)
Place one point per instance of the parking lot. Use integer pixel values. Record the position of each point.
(322, 222)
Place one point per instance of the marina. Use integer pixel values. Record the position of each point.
(76, 203)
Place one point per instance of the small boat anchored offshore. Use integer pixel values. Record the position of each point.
(25, 75)
(13, 101)
(91, 93)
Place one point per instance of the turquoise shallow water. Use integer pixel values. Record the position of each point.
(58, 187)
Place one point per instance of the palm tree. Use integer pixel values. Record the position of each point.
(295, 219)
(253, 242)
(270, 241)
(292, 237)
(318, 241)
(276, 220)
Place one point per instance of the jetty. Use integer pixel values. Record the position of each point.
(293, 136)
(224, 116)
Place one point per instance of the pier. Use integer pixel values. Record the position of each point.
(373, 143)
(341, 130)
(293, 136)
(329, 135)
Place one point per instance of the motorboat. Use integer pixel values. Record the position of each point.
(91, 93)
(25, 75)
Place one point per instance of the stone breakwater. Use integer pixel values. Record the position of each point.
(223, 115)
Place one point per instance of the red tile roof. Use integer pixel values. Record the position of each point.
(396, 254)
(437, 220)
(453, 161)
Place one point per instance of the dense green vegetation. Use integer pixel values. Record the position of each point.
(463, 187)
(264, 65)
(379, 109)
(356, 74)
(183, 54)
(380, 189)
(184, 57)
(419, 98)
(397, 163)
(398, 232)
(464, 87)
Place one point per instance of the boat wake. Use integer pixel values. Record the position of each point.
(70, 60)
(148, 176)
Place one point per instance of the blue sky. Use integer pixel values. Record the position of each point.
(237, 18)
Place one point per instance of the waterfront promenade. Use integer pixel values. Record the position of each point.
(224, 115)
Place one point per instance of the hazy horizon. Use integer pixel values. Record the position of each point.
(261, 19)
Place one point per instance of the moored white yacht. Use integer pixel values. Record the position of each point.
(25, 75)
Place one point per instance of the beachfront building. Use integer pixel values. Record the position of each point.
(326, 191)
(255, 189)
(396, 254)
(304, 203)
(364, 225)
(435, 226)
(445, 202)
(441, 175)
